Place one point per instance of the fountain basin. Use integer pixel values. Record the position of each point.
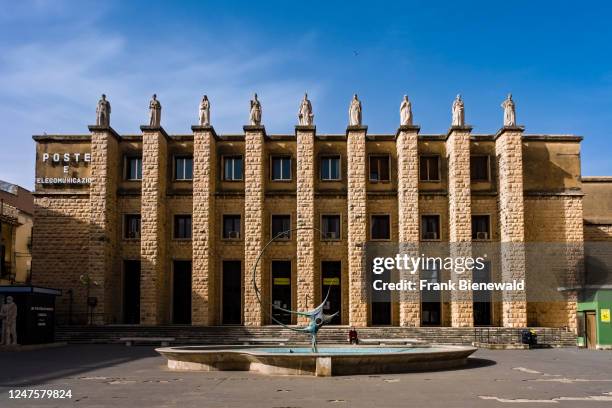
(330, 360)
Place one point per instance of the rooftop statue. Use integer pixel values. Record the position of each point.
(255, 113)
(103, 111)
(509, 112)
(205, 111)
(305, 115)
(405, 112)
(355, 112)
(458, 112)
(154, 112)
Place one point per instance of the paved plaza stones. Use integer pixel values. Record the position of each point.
(117, 376)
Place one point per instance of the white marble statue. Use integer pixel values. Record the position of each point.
(509, 112)
(458, 112)
(405, 112)
(305, 115)
(205, 111)
(103, 111)
(8, 314)
(355, 112)
(255, 113)
(154, 112)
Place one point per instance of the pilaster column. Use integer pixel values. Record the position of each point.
(203, 278)
(153, 275)
(103, 221)
(408, 210)
(357, 221)
(305, 138)
(509, 150)
(254, 194)
(460, 218)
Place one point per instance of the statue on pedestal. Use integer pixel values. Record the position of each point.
(509, 112)
(458, 112)
(355, 112)
(255, 113)
(154, 112)
(103, 111)
(8, 314)
(405, 112)
(205, 111)
(305, 115)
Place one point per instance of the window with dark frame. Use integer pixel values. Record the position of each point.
(379, 168)
(133, 168)
(380, 227)
(330, 168)
(429, 168)
(183, 168)
(232, 168)
(182, 226)
(231, 226)
(280, 224)
(131, 226)
(479, 168)
(330, 228)
(481, 227)
(430, 227)
(281, 168)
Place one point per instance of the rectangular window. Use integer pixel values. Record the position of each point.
(182, 226)
(133, 168)
(330, 228)
(481, 227)
(479, 168)
(430, 227)
(183, 168)
(231, 227)
(232, 168)
(281, 168)
(131, 227)
(280, 224)
(330, 168)
(429, 168)
(380, 227)
(379, 168)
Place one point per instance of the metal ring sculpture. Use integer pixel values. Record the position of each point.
(316, 315)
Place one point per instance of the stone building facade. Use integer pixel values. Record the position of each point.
(163, 229)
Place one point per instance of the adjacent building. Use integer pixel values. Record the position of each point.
(16, 219)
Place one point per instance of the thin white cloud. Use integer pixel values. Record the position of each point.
(50, 85)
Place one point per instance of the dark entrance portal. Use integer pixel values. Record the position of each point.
(430, 300)
(381, 305)
(331, 272)
(281, 290)
(231, 307)
(181, 293)
(131, 292)
(482, 298)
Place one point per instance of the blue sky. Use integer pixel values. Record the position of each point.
(57, 57)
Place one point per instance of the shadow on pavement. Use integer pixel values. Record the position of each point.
(27, 368)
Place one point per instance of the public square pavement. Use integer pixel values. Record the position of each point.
(135, 377)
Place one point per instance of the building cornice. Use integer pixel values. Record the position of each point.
(199, 129)
(356, 128)
(104, 129)
(596, 179)
(552, 138)
(62, 138)
(147, 129)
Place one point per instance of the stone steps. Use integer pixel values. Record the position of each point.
(335, 334)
